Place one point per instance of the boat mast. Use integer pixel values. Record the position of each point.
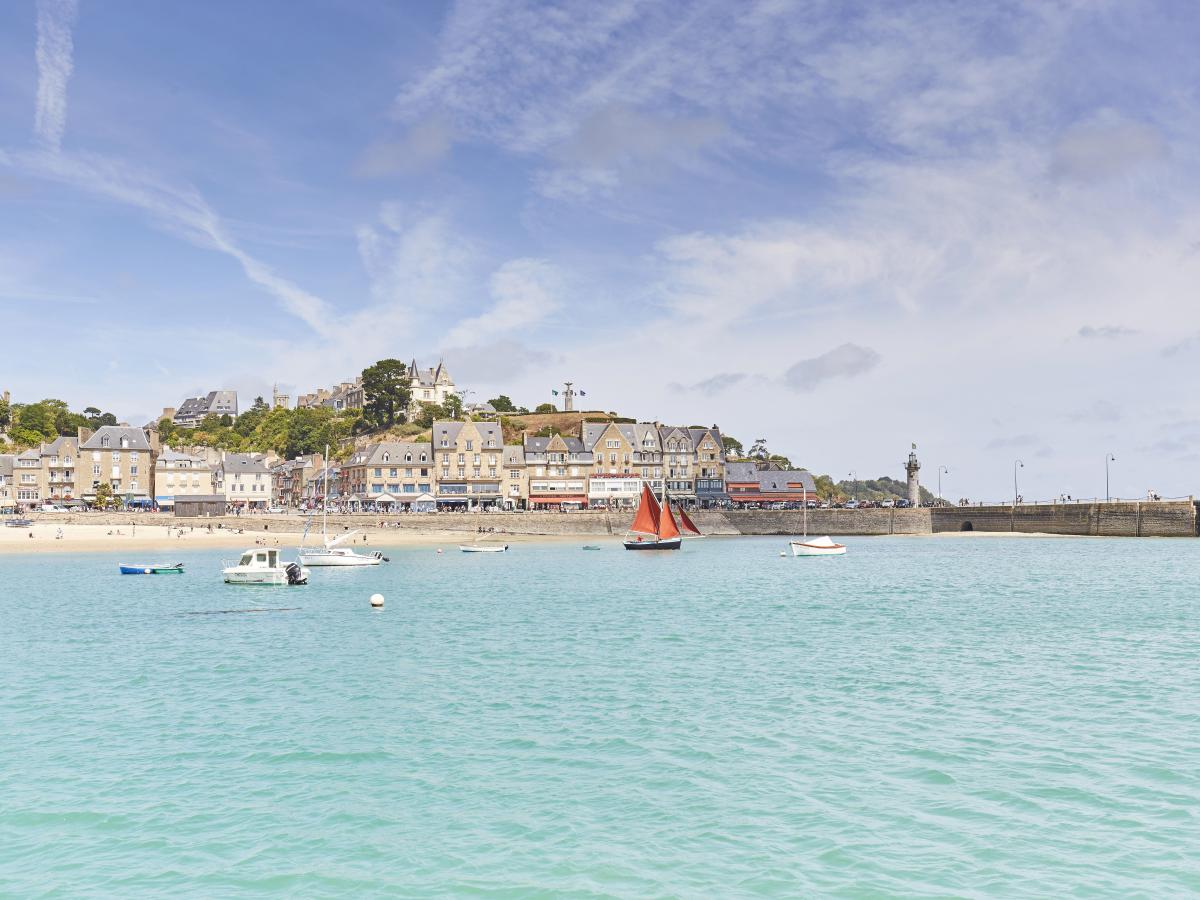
(804, 503)
(325, 502)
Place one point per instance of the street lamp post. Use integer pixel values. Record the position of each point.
(1016, 464)
(941, 469)
(854, 481)
(1107, 493)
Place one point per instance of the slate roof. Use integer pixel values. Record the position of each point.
(396, 451)
(135, 438)
(778, 481)
(741, 472)
(56, 446)
(769, 480)
(243, 462)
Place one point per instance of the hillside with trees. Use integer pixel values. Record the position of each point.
(30, 424)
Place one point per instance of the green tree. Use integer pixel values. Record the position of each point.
(429, 413)
(96, 419)
(453, 406)
(25, 437)
(733, 447)
(502, 404)
(251, 418)
(545, 408)
(167, 431)
(40, 417)
(388, 389)
(5, 414)
(826, 489)
(104, 496)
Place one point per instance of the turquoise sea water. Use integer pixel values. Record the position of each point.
(922, 717)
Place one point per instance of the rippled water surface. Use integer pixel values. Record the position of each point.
(936, 716)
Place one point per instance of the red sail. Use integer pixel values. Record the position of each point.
(686, 523)
(646, 520)
(667, 529)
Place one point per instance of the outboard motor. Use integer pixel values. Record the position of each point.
(295, 574)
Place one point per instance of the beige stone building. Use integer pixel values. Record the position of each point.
(515, 484)
(180, 475)
(558, 469)
(389, 475)
(615, 478)
(119, 456)
(245, 481)
(27, 473)
(468, 458)
(60, 473)
(8, 487)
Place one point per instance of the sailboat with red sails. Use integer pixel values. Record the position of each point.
(655, 527)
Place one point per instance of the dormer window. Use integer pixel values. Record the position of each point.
(104, 441)
(387, 457)
(124, 443)
(408, 457)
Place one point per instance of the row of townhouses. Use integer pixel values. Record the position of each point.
(68, 471)
(467, 465)
(464, 465)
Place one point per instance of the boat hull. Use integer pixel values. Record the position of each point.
(267, 577)
(151, 570)
(800, 548)
(673, 544)
(322, 558)
(467, 548)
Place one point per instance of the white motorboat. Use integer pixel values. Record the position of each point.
(483, 548)
(261, 565)
(821, 546)
(331, 554)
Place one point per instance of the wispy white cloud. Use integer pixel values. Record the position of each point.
(526, 292)
(55, 61)
(180, 210)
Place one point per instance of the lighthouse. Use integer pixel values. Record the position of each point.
(912, 467)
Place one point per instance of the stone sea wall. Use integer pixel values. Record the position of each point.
(1164, 518)
(1159, 518)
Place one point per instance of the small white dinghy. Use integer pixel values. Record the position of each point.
(821, 546)
(483, 548)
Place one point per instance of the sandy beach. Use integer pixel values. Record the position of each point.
(159, 539)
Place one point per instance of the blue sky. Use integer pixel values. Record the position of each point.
(842, 227)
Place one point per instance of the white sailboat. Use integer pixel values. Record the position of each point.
(821, 546)
(331, 554)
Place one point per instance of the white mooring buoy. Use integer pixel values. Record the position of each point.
(377, 601)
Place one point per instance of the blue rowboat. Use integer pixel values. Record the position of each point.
(153, 569)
